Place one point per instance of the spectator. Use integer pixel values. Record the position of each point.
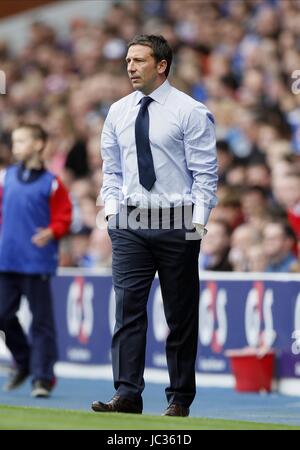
(243, 239)
(229, 208)
(225, 159)
(236, 174)
(76, 253)
(215, 247)
(278, 243)
(287, 192)
(68, 151)
(258, 174)
(256, 259)
(255, 206)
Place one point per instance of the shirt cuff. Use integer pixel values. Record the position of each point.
(201, 214)
(111, 207)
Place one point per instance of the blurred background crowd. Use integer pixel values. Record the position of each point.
(236, 56)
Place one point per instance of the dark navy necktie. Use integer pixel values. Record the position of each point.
(144, 156)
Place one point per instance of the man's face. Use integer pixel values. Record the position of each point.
(216, 240)
(274, 241)
(287, 191)
(24, 146)
(144, 72)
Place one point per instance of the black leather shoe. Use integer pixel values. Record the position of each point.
(119, 404)
(17, 378)
(174, 409)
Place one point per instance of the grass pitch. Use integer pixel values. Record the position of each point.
(26, 418)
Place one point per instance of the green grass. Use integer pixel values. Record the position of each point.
(25, 418)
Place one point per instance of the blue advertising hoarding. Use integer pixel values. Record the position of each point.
(236, 311)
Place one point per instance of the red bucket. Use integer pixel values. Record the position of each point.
(253, 371)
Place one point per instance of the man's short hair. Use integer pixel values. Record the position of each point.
(159, 45)
(36, 130)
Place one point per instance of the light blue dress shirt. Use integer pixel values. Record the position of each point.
(183, 145)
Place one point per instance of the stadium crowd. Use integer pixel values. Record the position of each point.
(238, 57)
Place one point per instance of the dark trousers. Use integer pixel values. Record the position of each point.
(137, 255)
(38, 356)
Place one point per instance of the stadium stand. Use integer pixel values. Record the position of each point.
(237, 57)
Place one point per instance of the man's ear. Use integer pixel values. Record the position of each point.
(161, 66)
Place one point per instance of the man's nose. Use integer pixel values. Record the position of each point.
(131, 67)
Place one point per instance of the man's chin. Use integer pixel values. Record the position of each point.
(137, 85)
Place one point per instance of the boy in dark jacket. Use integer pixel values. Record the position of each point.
(36, 213)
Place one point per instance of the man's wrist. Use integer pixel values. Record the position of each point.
(201, 230)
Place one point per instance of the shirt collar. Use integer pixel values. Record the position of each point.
(159, 95)
(29, 175)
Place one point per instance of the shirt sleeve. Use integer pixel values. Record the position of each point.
(200, 151)
(111, 191)
(60, 209)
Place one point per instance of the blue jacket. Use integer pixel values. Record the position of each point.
(25, 208)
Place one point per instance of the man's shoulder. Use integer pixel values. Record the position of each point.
(123, 102)
(186, 101)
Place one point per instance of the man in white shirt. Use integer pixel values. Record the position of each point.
(159, 184)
